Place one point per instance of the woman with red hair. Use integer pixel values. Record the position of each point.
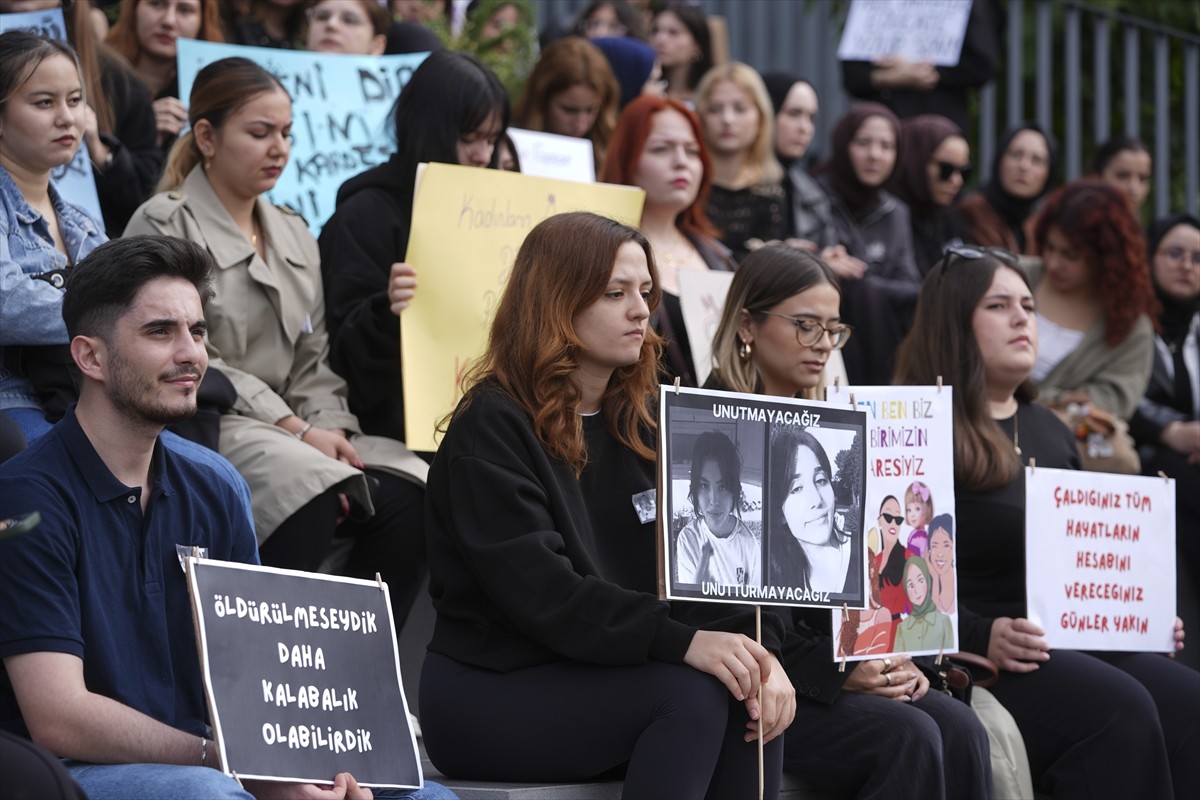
(146, 33)
(571, 92)
(1094, 300)
(552, 658)
(659, 146)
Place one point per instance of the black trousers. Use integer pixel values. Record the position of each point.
(1114, 725)
(866, 746)
(392, 542)
(669, 730)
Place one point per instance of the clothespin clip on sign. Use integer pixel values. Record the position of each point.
(845, 612)
(852, 403)
(940, 656)
(677, 384)
(939, 384)
(1164, 476)
(379, 581)
(1032, 465)
(842, 664)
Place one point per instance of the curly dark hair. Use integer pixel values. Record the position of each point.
(1096, 219)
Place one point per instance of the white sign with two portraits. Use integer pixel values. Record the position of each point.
(761, 499)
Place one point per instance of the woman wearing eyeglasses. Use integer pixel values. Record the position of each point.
(1166, 424)
(1085, 718)
(1001, 213)
(935, 162)
(780, 325)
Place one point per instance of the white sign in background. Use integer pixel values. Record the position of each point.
(1100, 559)
(548, 155)
(75, 180)
(917, 30)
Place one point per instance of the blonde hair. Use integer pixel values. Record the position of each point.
(759, 163)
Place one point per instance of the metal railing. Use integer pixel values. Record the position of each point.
(802, 37)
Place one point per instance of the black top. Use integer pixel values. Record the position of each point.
(677, 359)
(990, 547)
(530, 565)
(366, 234)
(137, 163)
(756, 212)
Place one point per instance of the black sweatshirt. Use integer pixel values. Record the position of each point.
(530, 565)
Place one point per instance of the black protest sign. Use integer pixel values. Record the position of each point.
(302, 675)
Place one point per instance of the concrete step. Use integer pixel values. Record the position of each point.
(793, 789)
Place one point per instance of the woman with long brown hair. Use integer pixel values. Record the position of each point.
(552, 658)
(1084, 717)
(572, 92)
(885, 733)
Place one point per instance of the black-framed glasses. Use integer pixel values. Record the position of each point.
(947, 169)
(891, 518)
(809, 331)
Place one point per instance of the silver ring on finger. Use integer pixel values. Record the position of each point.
(887, 664)
(887, 676)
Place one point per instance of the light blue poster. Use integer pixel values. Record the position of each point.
(74, 180)
(340, 111)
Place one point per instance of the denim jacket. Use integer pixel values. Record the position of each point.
(31, 308)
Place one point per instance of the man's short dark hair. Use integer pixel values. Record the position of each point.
(102, 286)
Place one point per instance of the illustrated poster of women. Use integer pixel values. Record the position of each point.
(911, 530)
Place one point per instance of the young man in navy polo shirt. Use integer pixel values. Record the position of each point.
(99, 654)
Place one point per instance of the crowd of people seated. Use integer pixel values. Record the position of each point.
(198, 360)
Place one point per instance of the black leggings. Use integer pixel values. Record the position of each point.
(392, 542)
(673, 731)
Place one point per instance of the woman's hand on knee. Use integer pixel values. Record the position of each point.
(1017, 645)
(895, 678)
(738, 661)
(335, 445)
(775, 705)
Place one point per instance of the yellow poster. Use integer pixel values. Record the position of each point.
(467, 226)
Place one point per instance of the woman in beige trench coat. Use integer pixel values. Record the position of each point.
(290, 433)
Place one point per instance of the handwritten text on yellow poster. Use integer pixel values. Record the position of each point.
(467, 226)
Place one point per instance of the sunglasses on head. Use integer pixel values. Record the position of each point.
(970, 253)
(946, 170)
(891, 518)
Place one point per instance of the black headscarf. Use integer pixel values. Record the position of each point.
(778, 85)
(1015, 210)
(1176, 314)
(858, 199)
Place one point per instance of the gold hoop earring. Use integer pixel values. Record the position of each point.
(745, 350)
